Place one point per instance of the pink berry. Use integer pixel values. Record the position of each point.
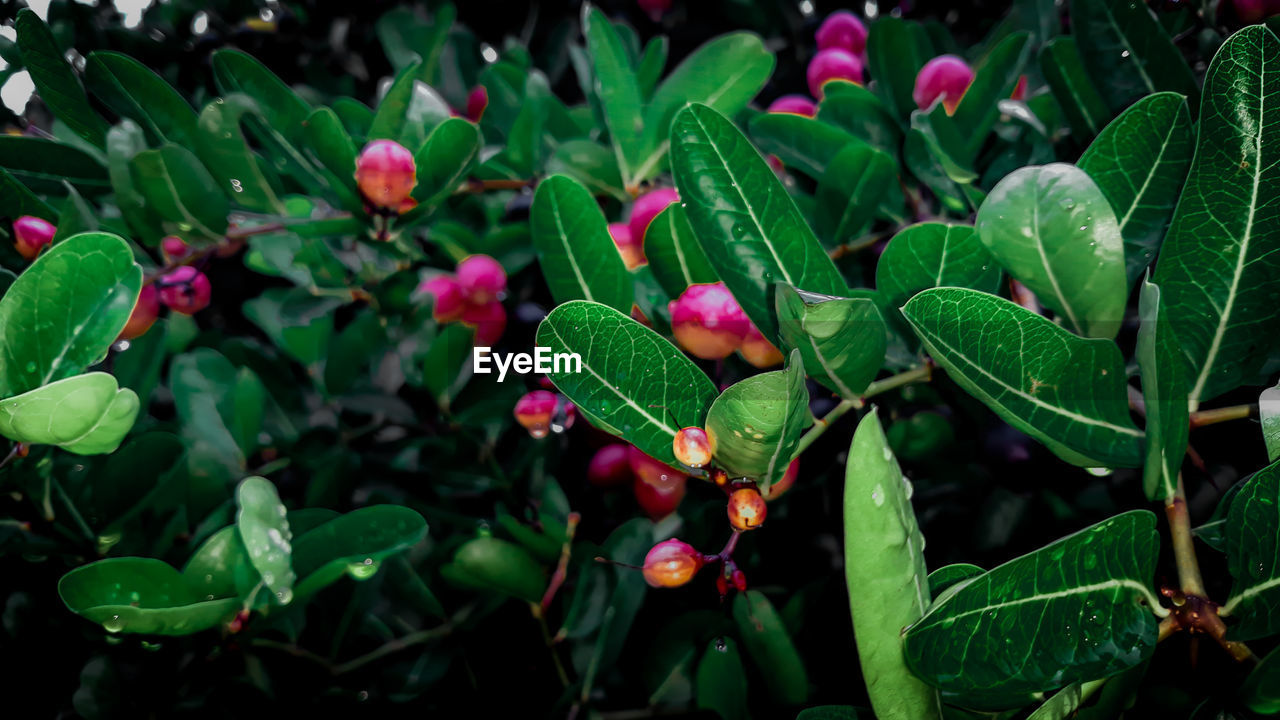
(628, 245)
(832, 64)
(489, 321)
(186, 290)
(610, 466)
(482, 278)
(784, 484)
(144, 314)
(1251, 11)
(707, 321)
(658, 487)
(31, 234)
(174, 247)
(946, 77)
(758, 351)
(794, 104)
(535, 411)
(477, 101)
(386, 174)
(447, 294)
(842, 29)
(646, 208)
(655, 9)
(671, 563)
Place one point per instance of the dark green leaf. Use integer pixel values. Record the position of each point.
(994, 79)
(225, 152)
(1164, 390)
(408, 112)
(134, 91)
(652, 63)
(174, 183)
(949, 576)
(755, 424)
(141, 595)
(213, 567)
(591, 164)
(578, 257)
(491, 564)
(721, 682)
(770, 648)
(674, 255)
(894, 60)
(934, 254)
(124, 141)
(54, 79)
(1253, 557)
(296, 321)
(802, 143)
(1083, 106)
(17, 200)
(850, 191)
(44, 165)
(842, 340)
(1121, 41)
(1261, 690)
(446, 158)
(618, 92)
(353, 544)
(857, 111)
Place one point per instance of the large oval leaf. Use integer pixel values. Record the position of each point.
(1261, 690)
(747, 224)
(263, 527)
(1054, 231)
(213, 567)
(885, 571)
(1066, 391)
(578, 257)
(141, 595)
(225, 152)
(934, 254)
(1219, 268)
(179, 188)
(62, 314)
(842, 340)
(1077, 609)
(634, 383)
(1253, 557)
(86, 414)
(755, 424)
(1123, 42)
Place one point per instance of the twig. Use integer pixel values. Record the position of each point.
(1212, 417)
(562, 569)
(920, 374)
(393, 646)
(821, 424)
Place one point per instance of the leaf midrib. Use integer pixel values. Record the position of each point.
(568, 251)
(1046, 597)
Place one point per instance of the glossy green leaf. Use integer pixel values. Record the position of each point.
(767, 644)
(408, 112)
(1083, 106)
(488, 563)
(1121, 41)
(850, 191)
(353, 544)
(141, 595)
(858, 111)
(652, 62)
(187, 198)
(894, 59)
(885, 573)
(618, 92)
(934, 254)
(409, 40)
(335, 152)
(1054, 231)
(445, 159)
(634, 383)
(54, 79)
(87, 414)
(1164, 390)
(841, 340)
(994, 79)
(1066, 391)
(756, 424)
(747, 224)
(212, 568)
(236, 71)
(226, 154)
(1269, 416)
(44, 165)
(1064, 703)
(721, 681)
(62, 314)
(17, 200)
(75, 215)
(674, 255)
(1261, 690)
(134, 91)
(591, 164)
(201, 382)
(949, 576)
(1139, 162)
(1077, 609)
(1219, 268)
(800, 142)
(1253, 557)
(264, 530)
(578, 257)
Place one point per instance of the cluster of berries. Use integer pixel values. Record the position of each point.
(472, 294)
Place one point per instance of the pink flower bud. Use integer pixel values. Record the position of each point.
(832, 64)
(186, 290)
(707, 321)
(946, 77)
(610, 466)
(794, 104)
(758, 351)
(174, 247)
(489, 321)
(842, 29)
(386, 174)
(671, 563)
(482, 278)
(31, 234)
(646, 208)
(448, 297)
(144, 314)
(628, 245)
(477, 101)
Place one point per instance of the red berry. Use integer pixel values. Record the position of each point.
(946, 77)
(832, 64)
(692, 447)
(842, 29)
(655, 9)
(758, 351)
(450, 301)
(671, 563)
(794, 104)
(610, 467)
(646, 208)
(739, 579)
(707, 321)
(628, 245)
(385, 173)
(535, 411)
(477, 101)
(1020, 90)
(784, 483)
(747, 509)
(144, 314)
(174, 247)
(482, 278)
(489, 321)
(658, 487)
(31, 234)
(186, 290)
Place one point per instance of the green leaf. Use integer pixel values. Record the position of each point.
(1269, 416)
(949, 576)
(408, 112)
(674, 255)
(894, 59)
(634, 383)
(1253, 557)
(491, 564)
(725, 73)
(762, 633)
(652, 62)
(187, 198)
(1139, 163)
(225, 152)
(1122, 41)
(446, 158)
(756, 424)
(44, 165)
(591, 164)
(578, 257)
(330, 145)
(802, 143)
(264, 530)
(994, 79)
(201, 382)
(62, 314)
(850, 190)
(282, 108)
(885, 573)
(17, 200)
(212, 568)
(1054, 231)
(1164, 390)
(1066, 391)
(296, 321)
(408, 40)
(833, 712)
(721, 681)
(1261, 690)
(54, 79)
(858, 111)
(134, 91)
(934, 254)
(353, 544)
(124, 141)
(618, 92)
(1219, 268)
(141, 595)
(747, 224)
(1083, 106)
(841, 340)
(86, 415)
(1066, 702)
(1077, 609)
(75, 216)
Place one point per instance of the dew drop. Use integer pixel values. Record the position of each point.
(113, 625)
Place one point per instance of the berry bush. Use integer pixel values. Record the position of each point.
(617, 360)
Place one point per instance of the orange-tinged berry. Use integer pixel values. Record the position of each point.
(386, 174)
(535, 411)
(758, 351)
(707, 321)
(747, 509)
(145, 312)
(692, 447)
(671, 563)
(31, 234)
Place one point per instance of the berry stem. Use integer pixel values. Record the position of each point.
(1212, 417)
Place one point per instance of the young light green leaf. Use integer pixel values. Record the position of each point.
(225, 152)
(618, 92)
(1219, 268)
(1269, 416)
(747, 224)
(1139, 162)
(1083, 106)
(1253, 557)
(264, 530)
(1066, 391)
(842, 340)
(755, 424)
(886, 576)
(1164, 390)
(1122, 41)
(770, 648)
(353, 544)
(634, 383)
(934, 254)
(54, 79)
(87, 414)
(1054, 231)
(850, 190)
(674, 255)
(134, 91)
(62, 314)
(578, 257)
(1077, 609)
(141, 595)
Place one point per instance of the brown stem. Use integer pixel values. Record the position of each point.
(1217, 415)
